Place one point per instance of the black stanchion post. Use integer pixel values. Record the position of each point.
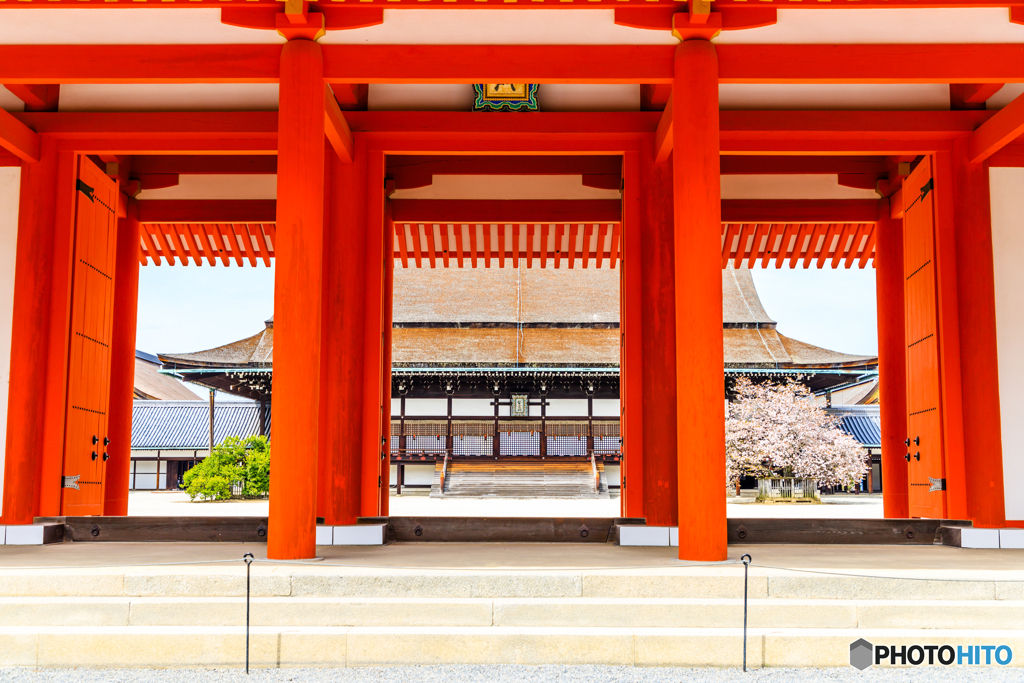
(746, 565)
(248, 558)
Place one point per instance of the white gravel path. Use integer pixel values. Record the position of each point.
(516, 674)
(176, 504)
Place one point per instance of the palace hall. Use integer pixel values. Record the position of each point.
(583, 231)
(471, 347)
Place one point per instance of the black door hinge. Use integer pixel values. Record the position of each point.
(85, 189)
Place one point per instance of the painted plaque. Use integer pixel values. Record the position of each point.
(520, 405)
(505, 97)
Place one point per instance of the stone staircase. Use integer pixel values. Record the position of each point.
(304, 615)
(526, 479)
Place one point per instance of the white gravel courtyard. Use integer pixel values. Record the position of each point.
(177, 504)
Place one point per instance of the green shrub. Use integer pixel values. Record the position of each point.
(257, 467)
(234, 460)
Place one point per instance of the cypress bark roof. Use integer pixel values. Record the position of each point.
(535, 316)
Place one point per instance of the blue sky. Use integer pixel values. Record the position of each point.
(190, 308)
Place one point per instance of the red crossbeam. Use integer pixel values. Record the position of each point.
(882, 63)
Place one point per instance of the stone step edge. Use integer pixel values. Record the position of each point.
(190, 647)
(503, 601)
(595, 631)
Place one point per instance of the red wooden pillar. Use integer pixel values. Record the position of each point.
(949, 326)
(700, 403)
(983, 445)
(373, 349)
(387, 309)
(56, 375)
(297, 302)
(122, 363)
(892, 364)
(343, 336)
(660, 466)
(33, 281)
(631, 340)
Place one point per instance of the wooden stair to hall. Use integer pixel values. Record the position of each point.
(520, 479)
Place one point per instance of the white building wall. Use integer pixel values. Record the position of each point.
(1007, 187)
(10, 182)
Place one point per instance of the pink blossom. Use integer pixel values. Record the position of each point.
(778, 430)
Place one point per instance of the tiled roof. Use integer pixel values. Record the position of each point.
(186, 424)
(863, 423)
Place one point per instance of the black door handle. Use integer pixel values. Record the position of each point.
(94, 455)
(918, 455)
(907, 456)
(907, 441)
(106, 456)
(917, 440)
(106, 441)
(95, 439)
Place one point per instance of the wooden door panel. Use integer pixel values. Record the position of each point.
(88, 374)
(927, 469)
(919, 293)
(923, 390)
(924, 387)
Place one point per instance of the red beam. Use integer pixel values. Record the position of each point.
(979, 93)
(799, 210)
(513, 63)
(18, 138)
(444, 211)
(504, 165)
(207, 211)
(34, 64)
(1011, 155)
(180, 164)
(36, 97)
(1003, 128)
(162, 125)
(794, 165)
(336, 128)
(663, 136)
(882, 63)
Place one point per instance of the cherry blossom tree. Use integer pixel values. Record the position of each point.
(778, 430)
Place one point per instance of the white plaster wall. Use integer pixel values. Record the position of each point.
(1008, 93)
(606, 407)
(460, 97)
(147, 26)
(227, 186)
(789, 187)
(507, 187)
(10, 181)
(419, 97)
(930, 96)
(1008, 253)
(9, 102)
(567, 407)
(882, 26)
(169, 97)
(426, 407)
(472, 407)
